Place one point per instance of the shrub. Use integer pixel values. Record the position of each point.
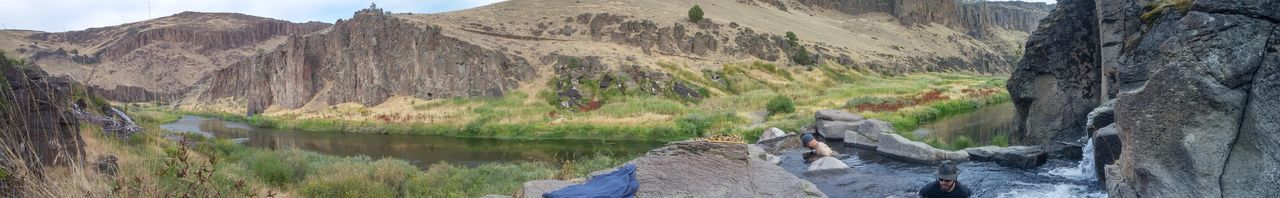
(780, 104)
(802, 56)
(346, 186)
(695, 13)
(272, 169)
(1001, 140)
(961, 143)
(791, 36)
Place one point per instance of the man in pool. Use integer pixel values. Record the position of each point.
(819, 149)
(946, 186)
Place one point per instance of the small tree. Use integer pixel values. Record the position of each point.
(801, 56)
(695, 13)
(791, 36)
(780, 104)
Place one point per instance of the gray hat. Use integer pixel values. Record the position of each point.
(948, 170)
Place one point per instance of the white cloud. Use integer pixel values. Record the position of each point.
(66, 15)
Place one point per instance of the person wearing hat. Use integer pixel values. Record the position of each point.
(946, 186)
(819, 149)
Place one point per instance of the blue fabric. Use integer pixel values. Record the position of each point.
(619, 183)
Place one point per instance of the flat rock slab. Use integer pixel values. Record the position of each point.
(896, 146)
(836, 115)
(1014, 156)
(535, 188)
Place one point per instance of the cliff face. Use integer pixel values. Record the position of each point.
(364, 60)
(1057, 83)
(36, 123)
(976, 18)
(1195, 87)
(154, 59)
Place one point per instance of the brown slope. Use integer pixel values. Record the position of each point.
(492, 49)
(148, 60)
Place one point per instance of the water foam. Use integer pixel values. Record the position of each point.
(1083, 170)
(1052, 191)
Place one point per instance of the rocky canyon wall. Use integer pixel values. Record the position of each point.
(365, 60)
(973, 17)
(1195, 84)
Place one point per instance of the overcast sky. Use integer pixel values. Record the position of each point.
(66, 15)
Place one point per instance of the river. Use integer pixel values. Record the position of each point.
(420, 150)
(870, 175)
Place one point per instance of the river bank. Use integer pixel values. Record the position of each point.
(739, 108)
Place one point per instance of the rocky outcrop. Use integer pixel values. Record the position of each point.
(365, 60)
(973, 17)
(771, 133)
(162, 58)
(36, 123)
(1196, 107)
(706, 169)
(1015, 156)
(1057, 82)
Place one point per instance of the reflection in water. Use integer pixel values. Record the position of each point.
(980, 125)
(421, 150)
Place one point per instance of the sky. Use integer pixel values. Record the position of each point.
(68, 15)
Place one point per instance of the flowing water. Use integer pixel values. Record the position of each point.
(873, 175)
(421, 150)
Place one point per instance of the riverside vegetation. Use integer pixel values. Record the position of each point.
(742, 100)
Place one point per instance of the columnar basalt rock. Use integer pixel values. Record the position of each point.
(365, 60)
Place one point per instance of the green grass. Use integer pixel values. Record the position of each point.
(743, 89)
(245, 171)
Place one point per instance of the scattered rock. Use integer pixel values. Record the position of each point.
(834, 129)
(1015, 156)
(106, 165)
(825, 164)
(896, 146)
(758, 152)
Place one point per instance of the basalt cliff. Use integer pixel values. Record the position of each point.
(1186, 93)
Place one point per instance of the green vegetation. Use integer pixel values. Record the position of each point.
(695, 13)
(1156, 8)
(155, 167)
(790, 95)
(780, 104)
(1001, 140)
(791, 37)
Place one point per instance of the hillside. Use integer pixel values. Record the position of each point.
(555, 46)
(154, 59)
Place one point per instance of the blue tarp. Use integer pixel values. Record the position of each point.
(619, 183)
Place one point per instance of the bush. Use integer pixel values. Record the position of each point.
(446, 180)
(346, 186)
(272, 169)
(780, 104)
(961, 143)
(802, 56)
(1001, 140)
(695, 13)
(791, 36)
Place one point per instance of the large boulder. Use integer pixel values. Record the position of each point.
(1106, 149)
(37, 123)
(770, 134)
(1101, 117)
(535, 189)
(1057, 82)
(832, 124)
(826, 164)
(1197, 126)
(836, 115)
(896, 146)
(1014, 156)
(867, 133)
(705, 169)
